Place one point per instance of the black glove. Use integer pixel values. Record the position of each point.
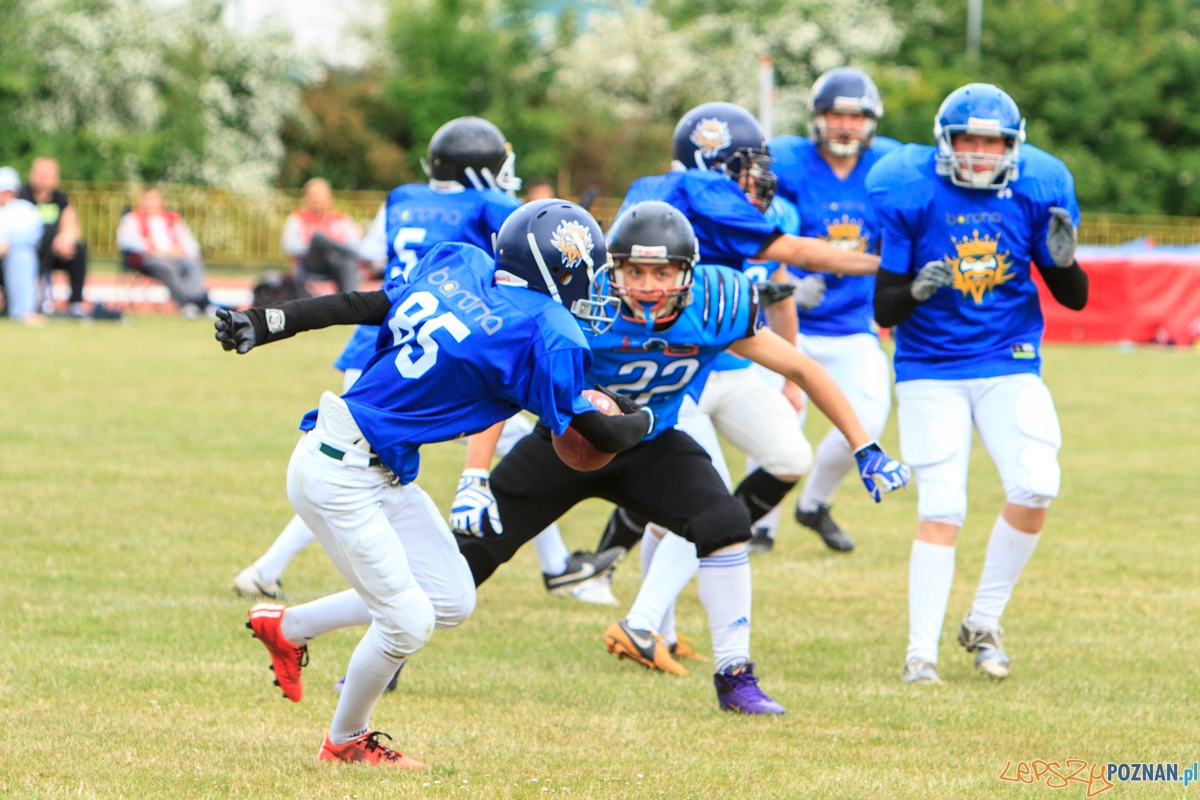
(235, 331)
(770, 292)
(626, 405)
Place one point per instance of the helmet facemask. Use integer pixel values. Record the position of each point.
(601, 307)
(657, 306)
(751, 168)
(829, 138)
(995, 171)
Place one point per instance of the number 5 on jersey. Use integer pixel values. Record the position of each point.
(412, 320)
(405, 237)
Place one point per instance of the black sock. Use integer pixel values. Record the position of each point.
(623, 530)
(761, 491)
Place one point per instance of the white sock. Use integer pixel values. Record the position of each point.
(551, 552)
(1008, 552)
(651, 536)
(342, 610)
(770, 521)
(930, 574)
(295, 537)
(725, 594)
(667, 628)
(834, 461)
(673, 566)
(370, 670)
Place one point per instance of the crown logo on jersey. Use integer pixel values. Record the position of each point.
(711, 135)
(846, 233)
(574, 241)
(980, 266)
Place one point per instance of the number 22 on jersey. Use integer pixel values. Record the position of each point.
(685, 368)
(414, 320)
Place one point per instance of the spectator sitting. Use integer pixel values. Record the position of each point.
(539, 189)
(20, 235)
(166, 250)
(322, 241)
(60, 248)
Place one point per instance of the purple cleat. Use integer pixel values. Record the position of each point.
(737, 690)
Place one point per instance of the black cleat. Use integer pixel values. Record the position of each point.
(583, 567)
(760, 541)
(829, 531)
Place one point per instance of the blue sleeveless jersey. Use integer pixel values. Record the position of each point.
(728, 226)
(459, 353)
(989, 322)
(657, 368)
(839, 211)
(417, 218)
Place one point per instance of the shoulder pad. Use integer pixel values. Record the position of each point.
(902, 178)
(1042, 175)
(725, 300)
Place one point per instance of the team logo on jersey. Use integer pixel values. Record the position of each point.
(574, 241)
(980, 266)
(712, 136)
(846, 233)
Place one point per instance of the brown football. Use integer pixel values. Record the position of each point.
(577, 452)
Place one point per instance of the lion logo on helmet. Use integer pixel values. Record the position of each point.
(711, 135)
(574, 241)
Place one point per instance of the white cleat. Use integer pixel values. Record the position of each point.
(250, 585)
(918, 670)
(988, 646)
(597, 591)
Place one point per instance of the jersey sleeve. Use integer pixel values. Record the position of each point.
(900, 197)
(729, 309)
(553, 391)
(727, 224)
(1054, 187)
(496, 210)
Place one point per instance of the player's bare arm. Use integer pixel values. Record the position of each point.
(772, 352)
(819, 255)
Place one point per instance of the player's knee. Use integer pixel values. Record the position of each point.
(407, 622)
(722, 524)
(454, 609)
(793, 459)
(1026, 499)
(940, 498)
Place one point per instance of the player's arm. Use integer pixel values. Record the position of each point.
(244, 330)
(614, 434)
(782, 316)
(818, 255)
(879, 472)
(1065, 279)
(474, 496)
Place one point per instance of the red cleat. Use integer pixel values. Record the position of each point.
(367, 748)
(286, 658)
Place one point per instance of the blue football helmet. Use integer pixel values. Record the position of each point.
(727, 137)
(555, 247)
(849, 91)
(979, 109)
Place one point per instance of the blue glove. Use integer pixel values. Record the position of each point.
(880, 472)
(473, 500)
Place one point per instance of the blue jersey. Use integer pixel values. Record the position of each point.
(657, 368)
(989, 322)
(417, 218)
(841, 212)
(785, 217)
(728, 227)
(459, 353)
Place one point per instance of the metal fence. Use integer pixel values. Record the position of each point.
(243, 229)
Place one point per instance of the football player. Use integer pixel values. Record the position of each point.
(961, 223)
(469, 196)
(825, 176)
(465, 342)
(664, 323)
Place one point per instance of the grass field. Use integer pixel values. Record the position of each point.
(142, 468)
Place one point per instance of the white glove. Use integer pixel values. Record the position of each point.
(1061, 238)
(809, 292)
(474, 497)
(931, 277)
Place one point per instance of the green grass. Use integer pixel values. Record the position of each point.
(142, 467)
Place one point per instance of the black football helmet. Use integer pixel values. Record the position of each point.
(653, 232)
(727, 137)
(472, 153)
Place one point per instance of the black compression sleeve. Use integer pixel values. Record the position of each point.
(894, 301)
(1069, 285)
(612, 434)
(346, 308)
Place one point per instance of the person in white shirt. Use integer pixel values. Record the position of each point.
(164, 248)
(20, 235)
(320, 240)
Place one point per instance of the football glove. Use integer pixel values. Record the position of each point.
(473, 500)
(880, 472)
(770, 292)
(628, 406)
(1062, 237)
(235, 331)
(931, 277)
(810, 291)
